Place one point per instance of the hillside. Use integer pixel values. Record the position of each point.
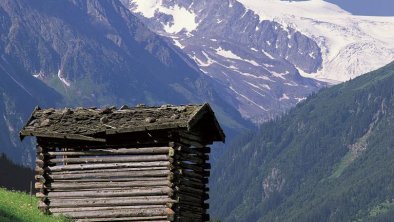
(328, 159)
(89, 53)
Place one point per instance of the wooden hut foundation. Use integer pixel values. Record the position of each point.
(128, 164)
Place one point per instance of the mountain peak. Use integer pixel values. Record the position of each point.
(351, 45)
(257, 62)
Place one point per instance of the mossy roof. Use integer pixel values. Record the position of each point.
(96, 124)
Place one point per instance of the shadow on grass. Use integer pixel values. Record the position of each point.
(7, 217)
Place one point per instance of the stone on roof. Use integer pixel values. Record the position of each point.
(96, 124)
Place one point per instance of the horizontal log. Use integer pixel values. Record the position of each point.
(188, 198)
(40, 156)
(39, 163)
(154, 191)
(125, 179)
(185, 141)
(193, 137)
(195, 151)
(187, 166)
(99, 152)
(205, 166)
(109, 166)
(188, 217)
(127, 219)
(184, 217)
(195, 167)
(148, 173)
(188, 183)
(192, 174)
(178, 177)
(80, 209)
(106, 170)
(191, 158)
(120, 213)
(195, 214)
(102, 202)
(112, 159)
(40, 178)
(39, 149)
(39, 187)
(91, 185)
(199, 209)
(39, 170)
(199, 191)
(191, 204)
(200, 196)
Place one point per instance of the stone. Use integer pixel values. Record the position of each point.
(46, 122)
(104, 120)
(48, 111)
(181, 109)
(106, 111)
(124, 107)
(175, 116)
(150, 120)
(67, 111)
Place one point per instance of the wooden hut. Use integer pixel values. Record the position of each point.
(127, 164)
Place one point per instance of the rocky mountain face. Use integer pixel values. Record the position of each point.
(256, 62)
(90, 53)
(350, 45)
(329, 159)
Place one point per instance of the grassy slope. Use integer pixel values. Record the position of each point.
(18, 207)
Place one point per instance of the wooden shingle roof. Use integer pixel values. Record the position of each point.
(96, 124)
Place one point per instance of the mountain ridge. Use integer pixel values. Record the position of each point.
(256, 63)
(266, 57)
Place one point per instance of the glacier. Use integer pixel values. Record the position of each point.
(351, 45)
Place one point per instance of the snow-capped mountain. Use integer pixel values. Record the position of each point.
(260, 51)
(350, 45)
(257, 61)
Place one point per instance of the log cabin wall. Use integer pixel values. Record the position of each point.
(133, 184)
(191, 179)
(152, 172)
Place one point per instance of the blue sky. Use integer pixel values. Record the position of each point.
(367, 7)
